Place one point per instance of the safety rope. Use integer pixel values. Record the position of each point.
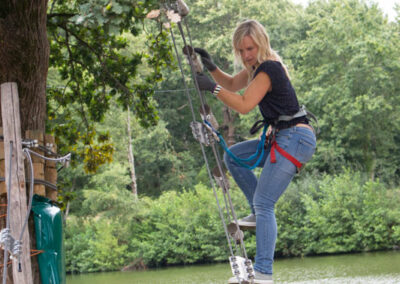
(201, 145)
(243, 162)
(202, 105)
(237, 235)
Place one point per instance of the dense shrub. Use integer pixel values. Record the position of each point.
(316, 215)
(337, 214)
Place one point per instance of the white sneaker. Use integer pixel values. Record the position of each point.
(249, 221)
(261, 278)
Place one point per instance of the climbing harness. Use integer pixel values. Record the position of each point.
(206, 133)
(302, 112)
(7, 241)
(272, 141)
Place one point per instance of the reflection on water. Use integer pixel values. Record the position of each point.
(380, 268)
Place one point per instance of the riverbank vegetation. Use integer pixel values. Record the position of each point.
(343, 58)
(319, 214)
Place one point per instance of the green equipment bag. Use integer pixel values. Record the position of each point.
(49, 238)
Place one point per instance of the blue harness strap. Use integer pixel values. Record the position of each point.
(243, 162)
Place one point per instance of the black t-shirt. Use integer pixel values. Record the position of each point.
(282, 99)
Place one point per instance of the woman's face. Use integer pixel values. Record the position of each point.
(248, 51)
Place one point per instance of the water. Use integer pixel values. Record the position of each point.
(380, 268)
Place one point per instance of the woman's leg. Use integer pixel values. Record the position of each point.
(274, 179)
(244, 177)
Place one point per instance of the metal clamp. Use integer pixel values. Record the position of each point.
(200, 133)
(242, 269)
(29, 143)
(7, 242)
(206, 114)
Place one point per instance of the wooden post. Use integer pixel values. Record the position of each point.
(3, 189)
(38, 163)
(17, 199)
(50, 170)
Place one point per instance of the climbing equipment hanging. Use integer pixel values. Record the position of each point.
(206, 133)
(10, 244)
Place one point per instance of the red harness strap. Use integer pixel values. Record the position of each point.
(283, 153)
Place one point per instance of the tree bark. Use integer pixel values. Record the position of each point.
(229, 126)
(24, 58)
(131, 158)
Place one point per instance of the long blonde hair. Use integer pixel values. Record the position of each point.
(257, 32)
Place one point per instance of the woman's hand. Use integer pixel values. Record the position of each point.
(205, 83)
(206, 59)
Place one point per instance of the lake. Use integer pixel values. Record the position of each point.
(378, 267)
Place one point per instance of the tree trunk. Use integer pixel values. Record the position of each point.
(131, 158)
(66, 213)
(229, 126)
(24, 57)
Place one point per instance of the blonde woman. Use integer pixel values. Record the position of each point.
(292, 141)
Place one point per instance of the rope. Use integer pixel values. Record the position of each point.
(215, 152)
(36, 181)
(242, 162)
(201, 135)
(174, 91)
(201, 145)
(63, 159)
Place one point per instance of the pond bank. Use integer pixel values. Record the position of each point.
(377, 267)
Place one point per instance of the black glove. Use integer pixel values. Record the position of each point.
(206, 59)
(205, 83)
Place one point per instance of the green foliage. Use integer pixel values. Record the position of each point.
(346, 70)
(94, 246)
(343, 58)
(337, 214)
(89, 50)
(317, 215)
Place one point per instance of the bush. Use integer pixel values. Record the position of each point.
(337, 214)
(318, 214)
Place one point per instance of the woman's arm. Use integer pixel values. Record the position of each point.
(254, 93)
(232, 83)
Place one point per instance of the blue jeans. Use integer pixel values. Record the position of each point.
(264, 192)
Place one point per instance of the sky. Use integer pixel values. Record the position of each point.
(387, 6)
